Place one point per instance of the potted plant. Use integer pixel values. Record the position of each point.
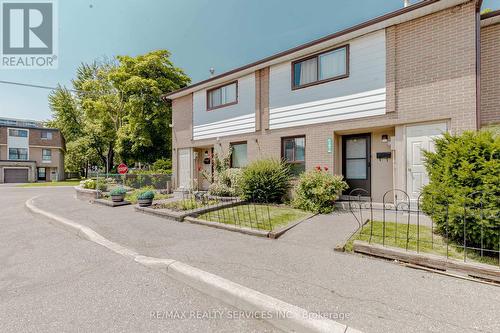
(118, 194)
(145, 198)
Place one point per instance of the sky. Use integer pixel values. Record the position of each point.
(200, 34)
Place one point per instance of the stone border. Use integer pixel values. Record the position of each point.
(428, 260)
(181, 215)
(110, 203)
(86, 194)
(275, 234)
(234, 294)
(230, 227)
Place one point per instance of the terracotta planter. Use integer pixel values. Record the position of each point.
(145, 202)
(118, 197)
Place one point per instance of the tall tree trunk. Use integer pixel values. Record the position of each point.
(111, 156)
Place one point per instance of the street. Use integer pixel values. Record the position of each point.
(53, 281)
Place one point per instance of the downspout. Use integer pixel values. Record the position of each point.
(478, 64)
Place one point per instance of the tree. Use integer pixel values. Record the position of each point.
(115, 110)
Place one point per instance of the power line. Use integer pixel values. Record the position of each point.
(30, 85)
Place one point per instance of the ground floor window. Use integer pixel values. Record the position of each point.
(239, 155)
(293, 151)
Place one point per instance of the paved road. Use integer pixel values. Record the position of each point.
(302, 269)
(52, 281)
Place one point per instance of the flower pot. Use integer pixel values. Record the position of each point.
(145, 202)
(118, 197)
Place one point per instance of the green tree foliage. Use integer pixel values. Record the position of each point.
(317, 191)
(465, 171)
(266, 181)
(116, 110)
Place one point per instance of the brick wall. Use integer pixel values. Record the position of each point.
(35, 138)
(490, 74)
(3, 135)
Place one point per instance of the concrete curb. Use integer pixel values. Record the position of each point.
(282, 315)
(229, 227)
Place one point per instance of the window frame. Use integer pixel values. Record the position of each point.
(18, 130)
(283, 157)
(18, 159)
(43, 159)
(220, 87)
(317, 55)
(231, 144)
(47, 133)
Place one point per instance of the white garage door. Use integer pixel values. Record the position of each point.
(15, 175)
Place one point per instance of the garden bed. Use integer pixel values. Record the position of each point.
(429, 242)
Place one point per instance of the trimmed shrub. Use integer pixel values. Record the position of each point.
(118, 191)
(465, 171)
(266, 181)
(162, 165)
(146, 195)
(317, 190)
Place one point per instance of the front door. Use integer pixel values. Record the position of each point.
(356, 165)
(42, 174)
(419, 138)
(184, 168)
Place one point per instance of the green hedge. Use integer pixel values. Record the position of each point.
(266, 181)
(465, 171)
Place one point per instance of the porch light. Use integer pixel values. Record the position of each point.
(385, 138)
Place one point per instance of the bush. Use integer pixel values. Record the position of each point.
(101, 185)
(88, 184)
(146, 195)
(266, 181)
(465, 170)
(118, 191)
(162, 166)
(227, 183)
(317, 190)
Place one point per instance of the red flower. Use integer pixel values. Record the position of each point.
(326, 168)
(199, 168)
(318, 168)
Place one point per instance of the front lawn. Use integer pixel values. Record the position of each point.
(264, 217)
(429, 242)
(60, 183)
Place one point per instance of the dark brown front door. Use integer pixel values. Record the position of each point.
(356, 162)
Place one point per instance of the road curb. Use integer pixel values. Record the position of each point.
(282, 315)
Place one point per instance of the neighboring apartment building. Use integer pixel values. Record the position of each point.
(29, 152)
(364, 101)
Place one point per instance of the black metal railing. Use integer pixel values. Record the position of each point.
(470, 231)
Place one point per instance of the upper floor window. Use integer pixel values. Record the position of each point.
(239, 156)
(46, 155)
(18, 132)
(46, 135)
(293, 151)
(222, 96)
(19, 154)
(323, 67)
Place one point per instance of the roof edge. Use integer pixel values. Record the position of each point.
(365, 24)
(490, 14)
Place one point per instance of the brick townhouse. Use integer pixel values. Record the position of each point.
(363, 102)
(30, 152)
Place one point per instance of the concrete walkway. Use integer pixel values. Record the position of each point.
(301, 268)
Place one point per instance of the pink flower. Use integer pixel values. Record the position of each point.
(318, 168)
(326, 168)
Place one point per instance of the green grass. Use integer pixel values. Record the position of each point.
(429, 242)
(185, 204)
(132, 196)
(264, 217)
(61, 183)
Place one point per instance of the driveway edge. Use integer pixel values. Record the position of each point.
(282, 315)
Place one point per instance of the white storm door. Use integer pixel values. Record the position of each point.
(419, 138)
(184, 168)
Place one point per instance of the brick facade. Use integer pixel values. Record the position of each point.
(430, 77)
(490, 74)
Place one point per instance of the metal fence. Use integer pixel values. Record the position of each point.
(468, 231)
(133, 181)
(253, 213)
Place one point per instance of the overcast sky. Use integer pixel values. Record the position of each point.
(223, 34)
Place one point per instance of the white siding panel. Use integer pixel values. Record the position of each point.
(232, 126)
(362, 94)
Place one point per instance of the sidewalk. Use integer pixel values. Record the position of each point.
(301, 268)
